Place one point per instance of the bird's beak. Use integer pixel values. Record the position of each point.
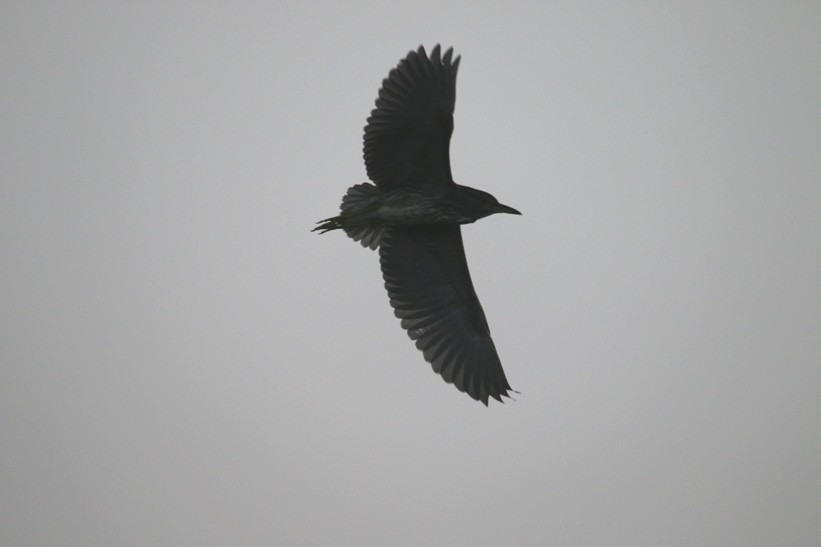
(505, 209)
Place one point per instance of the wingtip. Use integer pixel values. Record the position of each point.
(435, 55)
(446, 58)
(499, 396)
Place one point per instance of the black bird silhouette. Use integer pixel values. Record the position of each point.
(413, 215)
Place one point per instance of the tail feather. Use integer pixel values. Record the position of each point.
(358, 197)
(356, 217)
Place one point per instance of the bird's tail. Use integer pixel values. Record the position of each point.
(356, 216)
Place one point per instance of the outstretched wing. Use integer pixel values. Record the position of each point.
(429, 285)
(407, 138)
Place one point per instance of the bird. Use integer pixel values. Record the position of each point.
(412, 212)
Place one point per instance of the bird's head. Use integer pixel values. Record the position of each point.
(477, 204)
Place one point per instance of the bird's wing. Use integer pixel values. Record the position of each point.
(408, 133)
(429, 285)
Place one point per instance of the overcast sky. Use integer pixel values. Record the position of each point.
(183, 363)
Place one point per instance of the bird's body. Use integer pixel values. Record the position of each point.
(413, 215)
(414, 205)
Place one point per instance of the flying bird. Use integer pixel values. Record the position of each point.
(412, 214)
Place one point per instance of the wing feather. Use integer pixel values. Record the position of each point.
(407, 138)
(428, 282)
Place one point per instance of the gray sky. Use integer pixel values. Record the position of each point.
(184, 363)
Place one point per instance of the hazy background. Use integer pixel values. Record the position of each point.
(184, 363)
